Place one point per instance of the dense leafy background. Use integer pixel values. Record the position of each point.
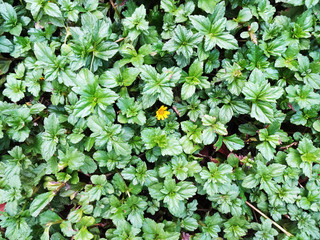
(84, 157)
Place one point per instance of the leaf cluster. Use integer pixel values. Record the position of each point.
(83, 156)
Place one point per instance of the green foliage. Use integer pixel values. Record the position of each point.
(235, 86)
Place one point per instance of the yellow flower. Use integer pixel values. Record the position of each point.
(161, 114)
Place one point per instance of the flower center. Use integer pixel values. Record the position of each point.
(160, 111)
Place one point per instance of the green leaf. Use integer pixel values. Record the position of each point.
(121, 148)
(193, 80)
(45, 235)
(208, 136)
(302, 95)
(111, 160)
(16, 229)
(293, 158)
(131, 111)
(71, 158)
(233, 142)
(264, 92)
(316, 125)
(44, 54)
(11, 19)
(211, 129)
(313, 80)
(40, 202)
(136, 23)
(156, 137)
(172, 193)
(183, 42)
(189, 224)
(244, 15)
(210, 228)
(261, 94)
(234, 76)
(215, 177)
(196, 69)
(208, 5)
(66, 228)
(89, 166)
(214, 33)
(110, 135)
(235, 228)
(137, 207)
(201, 23)
(93, 98)
(14, 89)
(118, 77)
(223, 40)
(172, 148)
(7, 12)
(4, 66)
(158, 86)
(52, 10)
(311, 3)
(186, 189)
(51, 136)
(270, 141)
(187, 90)
(250, 181)
(5, 45)
(106, 50)
(83, 234)
(48, 216)
(265, 229)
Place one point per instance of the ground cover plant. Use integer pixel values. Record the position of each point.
(159, 119)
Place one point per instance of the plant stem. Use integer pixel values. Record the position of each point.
(91, 62)
(128, 193)
(120, 39)
(115, 9)
(201, 224)
(24, 206)
(53, 223)
(290, 145)
(67, 35)
(59, 188)
(273, 222)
